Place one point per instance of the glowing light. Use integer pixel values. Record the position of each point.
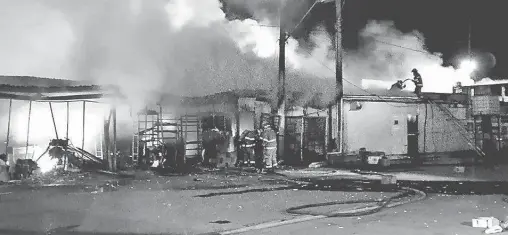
(46, 163)
(468, 66)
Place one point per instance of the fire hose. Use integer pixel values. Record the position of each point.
(381, 204)
(368, 209)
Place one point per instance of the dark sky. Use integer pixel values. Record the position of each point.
(444, 23)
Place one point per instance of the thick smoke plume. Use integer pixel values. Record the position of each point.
(191, 47)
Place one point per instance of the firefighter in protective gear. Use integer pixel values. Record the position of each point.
(247, 144)
(269, 138)
(258, 151)
(417, 79)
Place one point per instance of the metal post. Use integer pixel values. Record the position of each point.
(330, 128)
(281, 104)
(114, 139)
(83, 134)
(338, 69)
(53, 118)
(28, 128)
(107, 142)
(302, 133)
(8, 128)
(67, 128)
(65, 160)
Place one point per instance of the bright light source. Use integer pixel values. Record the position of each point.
(468, 66)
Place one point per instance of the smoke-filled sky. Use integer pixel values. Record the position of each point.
(197, 47)
(190, 47)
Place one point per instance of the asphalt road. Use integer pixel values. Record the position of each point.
(171, 205)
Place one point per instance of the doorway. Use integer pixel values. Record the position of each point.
(412, 137)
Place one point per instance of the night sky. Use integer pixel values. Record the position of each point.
(444, 24)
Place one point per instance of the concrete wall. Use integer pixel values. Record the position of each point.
(381, 126)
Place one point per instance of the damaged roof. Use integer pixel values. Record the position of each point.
(38, 88)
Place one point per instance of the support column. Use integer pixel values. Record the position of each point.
(8, 129)
(53, 118)
(28, 128)
(83, 133)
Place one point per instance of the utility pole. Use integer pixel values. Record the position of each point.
(281, 104)
(338, 69)
(114, 140)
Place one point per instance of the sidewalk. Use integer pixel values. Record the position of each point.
(424, 173)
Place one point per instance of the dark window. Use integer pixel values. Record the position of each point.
(396, 122)
(496, 90)
(482, 90)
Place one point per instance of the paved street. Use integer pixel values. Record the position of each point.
(172, 205)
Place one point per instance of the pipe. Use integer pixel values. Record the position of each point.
(53, 118)
(8, 128)
(28, 128)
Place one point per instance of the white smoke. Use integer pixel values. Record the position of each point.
(388, 55)
(189, 47)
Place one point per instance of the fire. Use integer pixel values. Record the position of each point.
(42, 129)
(46, 163)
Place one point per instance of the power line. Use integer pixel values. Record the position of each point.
(375, 40)
(367, 92)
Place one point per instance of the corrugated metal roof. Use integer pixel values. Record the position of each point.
(40, 81)
(37, 88)
(488, 82)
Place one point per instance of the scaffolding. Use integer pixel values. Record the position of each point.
(192, 135)
(156, 128)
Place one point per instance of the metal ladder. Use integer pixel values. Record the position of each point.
(98, 147)
(457, 123)
(135, 147)
(191, 124)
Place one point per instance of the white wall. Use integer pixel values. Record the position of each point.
(373, 127)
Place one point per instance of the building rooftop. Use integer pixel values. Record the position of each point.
(488, 82)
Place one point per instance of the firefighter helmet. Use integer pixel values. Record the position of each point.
(414, 71)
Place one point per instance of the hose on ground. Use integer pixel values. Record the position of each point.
(379, 205)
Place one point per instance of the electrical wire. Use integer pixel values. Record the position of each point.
(367, 92)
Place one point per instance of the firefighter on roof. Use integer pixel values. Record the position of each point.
(417, 79)
(269, 138)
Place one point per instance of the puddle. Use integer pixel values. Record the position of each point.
(431, 187)
(209, 187)
(221, 222)
(245, 191)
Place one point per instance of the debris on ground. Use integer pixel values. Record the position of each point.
(494, 229)
(459, 169)
(318, 164)
(485, 222)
